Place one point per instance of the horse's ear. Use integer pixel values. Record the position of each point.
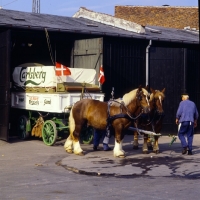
(147, 88)
(140, 87)
(163, 91)
(152, 90)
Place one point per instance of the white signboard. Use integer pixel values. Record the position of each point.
(56, 102)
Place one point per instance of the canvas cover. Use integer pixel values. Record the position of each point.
(37, 75)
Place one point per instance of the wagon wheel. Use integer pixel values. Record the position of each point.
(49, 132)
(23, 127)
(87, 135)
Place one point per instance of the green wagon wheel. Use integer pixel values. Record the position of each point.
(23, 127)
(49, 132)
(87, 135)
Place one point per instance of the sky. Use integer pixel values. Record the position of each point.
(70, 7)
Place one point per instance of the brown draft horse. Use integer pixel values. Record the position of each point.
(97, 114)
(151, 122)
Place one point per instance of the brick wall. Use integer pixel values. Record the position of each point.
(166, 16)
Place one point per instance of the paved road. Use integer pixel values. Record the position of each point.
(30, 170)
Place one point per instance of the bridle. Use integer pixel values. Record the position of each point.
(153, 120)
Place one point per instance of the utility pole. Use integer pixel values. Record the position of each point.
(36, 6)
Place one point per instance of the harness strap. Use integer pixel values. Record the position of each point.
(121, 115)
(110, 119)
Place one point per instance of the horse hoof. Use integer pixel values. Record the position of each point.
(69, 151)
(135, 147)
(80, 154)
(145, 152)
(121, 156)
(156, 151)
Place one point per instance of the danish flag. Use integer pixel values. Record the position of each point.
(101, 76)
(62, 70)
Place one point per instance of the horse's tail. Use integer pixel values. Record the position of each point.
(71, 123)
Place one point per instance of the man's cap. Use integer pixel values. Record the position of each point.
(184, 94)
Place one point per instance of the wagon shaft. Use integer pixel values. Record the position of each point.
(144, 131)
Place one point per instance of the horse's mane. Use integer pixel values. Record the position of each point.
(128, 97)
(156, 95)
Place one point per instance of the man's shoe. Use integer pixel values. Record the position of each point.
(106, 147)
(184, 151)
(95, 148)
(189, 152)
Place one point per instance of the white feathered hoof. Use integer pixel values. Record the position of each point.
(145, 151)
(69, 151)
(119, 154)
(68, 146)
(77, 148)
(156, 151)
(145, 148)
(79, 153)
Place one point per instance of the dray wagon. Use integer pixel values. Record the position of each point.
(45, 100)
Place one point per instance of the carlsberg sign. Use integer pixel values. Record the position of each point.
(45, 76)
(36, 76)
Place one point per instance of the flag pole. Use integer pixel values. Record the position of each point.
(55, 52)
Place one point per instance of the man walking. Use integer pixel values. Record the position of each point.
(186, 118)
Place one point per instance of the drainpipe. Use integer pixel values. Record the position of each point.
(147, 62)
(184, 70)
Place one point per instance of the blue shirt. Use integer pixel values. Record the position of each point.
(187, 111)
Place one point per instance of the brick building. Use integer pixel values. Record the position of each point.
(165, 16)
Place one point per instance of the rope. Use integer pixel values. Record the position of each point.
(49, 46)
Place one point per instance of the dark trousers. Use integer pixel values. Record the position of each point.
(186, 128)
(98, 134)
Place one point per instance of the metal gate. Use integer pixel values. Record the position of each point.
(4, 84)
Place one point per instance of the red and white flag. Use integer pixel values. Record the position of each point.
(101, 76)
(62, 70)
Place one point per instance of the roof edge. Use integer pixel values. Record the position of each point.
(109, 20)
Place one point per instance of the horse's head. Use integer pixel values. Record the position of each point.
(156, 100)
(142, 98)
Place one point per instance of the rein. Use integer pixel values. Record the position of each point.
(153, 120)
